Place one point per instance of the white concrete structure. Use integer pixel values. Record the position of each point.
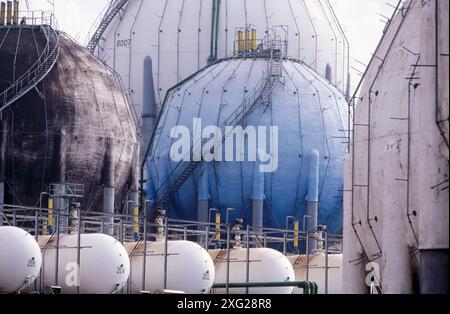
(396, 199)
(266, 265)
(20, 259)
(104, 264)
(190, 269)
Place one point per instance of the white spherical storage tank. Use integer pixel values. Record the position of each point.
(190, 269)
(104, 264)
(20, 259)
(182, 36)
(266, 265)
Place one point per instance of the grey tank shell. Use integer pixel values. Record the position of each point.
(59, 132)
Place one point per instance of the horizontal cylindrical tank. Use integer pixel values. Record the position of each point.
(316, 272)
(266, 265)
(189, 267)
(104, 263)
(20, 259)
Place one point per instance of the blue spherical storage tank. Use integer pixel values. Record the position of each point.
(304, 114)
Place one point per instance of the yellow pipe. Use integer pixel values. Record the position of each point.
(50, 212)
(217, 237)
(2, 13)
(248, 40)
(253, 39)
(8, 12)
(136, 220)
(240, 41)
(16, 13)
(296, 234)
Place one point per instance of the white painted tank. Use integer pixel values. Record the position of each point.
(317, 271)
(177, 36)
(190, 268)
(20, 259)
(104, 264)
(266, 265)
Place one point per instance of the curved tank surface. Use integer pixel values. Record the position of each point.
(104, 263)
(267, 265)
(316, 272)
(306, 116)
(75, 126)
(181, 37)
(189, 267)
(20, 259)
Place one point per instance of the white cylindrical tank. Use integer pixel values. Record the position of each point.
(104, 263)
(317, 271)
(20, 259)
(266, 265)
(189, 267)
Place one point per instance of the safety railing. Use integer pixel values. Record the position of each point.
(39, 70)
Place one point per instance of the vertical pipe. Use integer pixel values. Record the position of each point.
(8, 12)
(296, 229)
(149, 106)
(217, 234)
(78, 250)
(2, 13)
(254, 46)
(36, 237)
(247, 273)
(228, 261)
(203, 198)
(3, 141)
(134, 196)
(248, 40)
(15, 15)
(108, 186)
(166, 248)
(326, 262)
(240, 42)
(258, 198)
(313, 198)
(136, 223)
(58, 232)
(144, 259)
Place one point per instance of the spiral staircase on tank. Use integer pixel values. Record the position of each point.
(112, 11)
(36, 73)
(260, 96)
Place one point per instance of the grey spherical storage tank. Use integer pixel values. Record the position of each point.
(74, 126)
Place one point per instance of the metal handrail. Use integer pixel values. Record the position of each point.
(112, 11)
(36, 72)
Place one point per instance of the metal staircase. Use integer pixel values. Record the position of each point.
(260, 96)
(112, 11)
(37, 72)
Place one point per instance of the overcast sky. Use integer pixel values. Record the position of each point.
(362, 21)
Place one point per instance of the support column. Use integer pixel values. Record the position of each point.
(258, 198)
(3, 140)
(133, 198)
(59, 176)
(148, 107)
(203, 197)
(313, 199)
(108, 188)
